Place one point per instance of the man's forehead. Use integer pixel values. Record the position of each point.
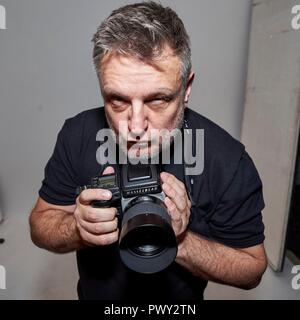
(116, 63)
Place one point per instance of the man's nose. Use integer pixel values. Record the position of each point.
(138, 121)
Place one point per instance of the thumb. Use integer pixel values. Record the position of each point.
(108, 170)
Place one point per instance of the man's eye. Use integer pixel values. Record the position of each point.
(118, 102)
(159, 101)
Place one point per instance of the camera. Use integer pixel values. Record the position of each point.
(147, 242)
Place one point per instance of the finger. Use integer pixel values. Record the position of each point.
(99, 227)
(172, 210)
(180, 201)
(174, 182)
(108, 170)
(89, 195)
(99, 240)
(94, 215)
(176, 218)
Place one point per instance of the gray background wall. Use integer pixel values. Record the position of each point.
(46, 75)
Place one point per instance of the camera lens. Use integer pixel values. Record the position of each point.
(147, 249)
(147, 241)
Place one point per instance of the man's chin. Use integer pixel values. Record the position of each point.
(146, 153)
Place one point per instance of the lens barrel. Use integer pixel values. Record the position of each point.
(147, 241)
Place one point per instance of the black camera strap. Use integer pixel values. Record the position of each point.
(189, 181)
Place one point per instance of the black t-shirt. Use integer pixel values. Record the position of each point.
(227, 199)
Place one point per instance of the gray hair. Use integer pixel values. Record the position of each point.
(142, 30)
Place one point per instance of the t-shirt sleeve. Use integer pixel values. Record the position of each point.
(60, 180)
(237, 219)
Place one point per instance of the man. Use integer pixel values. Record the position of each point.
(143, 61)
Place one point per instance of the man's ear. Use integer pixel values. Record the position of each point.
(188, 88)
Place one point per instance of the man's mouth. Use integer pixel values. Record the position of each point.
(138, 144)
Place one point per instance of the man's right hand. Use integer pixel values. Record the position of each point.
(96, 226)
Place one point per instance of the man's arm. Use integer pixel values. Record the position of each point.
(54, 227)
(63, 229)
(205, 258)
(242, 268)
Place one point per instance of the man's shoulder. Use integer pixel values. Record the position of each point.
(222, 152)
(213, 132)
(92, 118)
(84, 125)
(217, 140)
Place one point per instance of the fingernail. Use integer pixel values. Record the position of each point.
(106, 194)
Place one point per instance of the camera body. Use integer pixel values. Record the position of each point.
(131, 182)
(147, 241)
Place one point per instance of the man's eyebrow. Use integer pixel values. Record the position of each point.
(114, 93)
(159, 92)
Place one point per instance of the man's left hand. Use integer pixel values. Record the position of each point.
(177, 203)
